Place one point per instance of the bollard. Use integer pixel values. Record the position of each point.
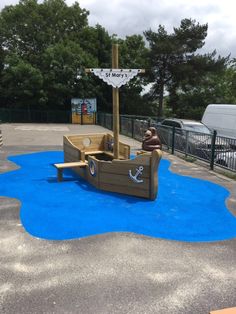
(173, 141)
(213, 142)
(1, 140)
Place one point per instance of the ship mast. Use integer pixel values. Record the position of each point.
(115, 102)
(115, 77)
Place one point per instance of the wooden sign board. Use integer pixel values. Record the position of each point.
(83, 110)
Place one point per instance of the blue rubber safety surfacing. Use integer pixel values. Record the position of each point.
(186, 209)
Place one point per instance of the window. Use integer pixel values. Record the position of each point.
(171, 123)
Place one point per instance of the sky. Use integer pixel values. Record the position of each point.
(128, 17)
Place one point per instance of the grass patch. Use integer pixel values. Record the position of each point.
(190, 159)
(229, 174)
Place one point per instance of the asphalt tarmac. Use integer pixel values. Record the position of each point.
(113, 272)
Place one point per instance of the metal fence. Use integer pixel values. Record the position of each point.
(129, 125)
(34, 116)
(213, 149)
(210, 148)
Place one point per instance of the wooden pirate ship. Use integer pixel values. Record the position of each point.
(102, 159)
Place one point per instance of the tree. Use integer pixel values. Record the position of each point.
(62, 65)
(97, 42)
(44, 48)
(44, 38)
(196, 85)
(56, 40)
(28, 28)
(132, 55)
(172, 52)
(230, 82)
(21, 83)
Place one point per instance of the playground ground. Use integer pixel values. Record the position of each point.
(113, 272)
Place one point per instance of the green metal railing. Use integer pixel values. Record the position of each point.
(210, 148)
(34, 116)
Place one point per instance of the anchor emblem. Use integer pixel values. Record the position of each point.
(139, 171)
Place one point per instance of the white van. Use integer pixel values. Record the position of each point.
(221, 118)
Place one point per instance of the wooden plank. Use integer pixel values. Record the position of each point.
(59, 175)
(81, 171)
(83, 154)
(67, 142)
(93, 152)
(95, 138)
(71, 153)
(96, 141)
(60, 167)
(143, 160)
(126, 151)
(124, 169)
(231, 310)
(83, 135)
(124, 190)
(124, 181)
(71, 149)
(108, 153)
(70, 165)
(155, 160)
(92, 146)
(93, 142)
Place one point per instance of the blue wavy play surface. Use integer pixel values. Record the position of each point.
(186, 209)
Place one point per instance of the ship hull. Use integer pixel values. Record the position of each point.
(136, 177)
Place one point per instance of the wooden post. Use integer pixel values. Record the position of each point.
(115, 100)
(59, 175)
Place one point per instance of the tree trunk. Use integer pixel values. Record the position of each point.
(173, 99)
(161, 98)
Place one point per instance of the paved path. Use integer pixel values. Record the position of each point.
(109, 273)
